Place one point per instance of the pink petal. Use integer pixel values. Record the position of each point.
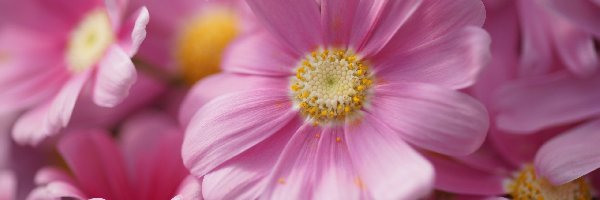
(32, 127)
(570, 155)
(518, 149)
(337, 17)
(96, 163)
(52, 174)
(384, 162)
(232, 124)
(294, 22)
(116, 75)
(293, 174)
(584, 13)
(59, 113)
(389, 19)
(452, 176)
(576, 48)
(115, 9)
(433, 19)
(220, 84)
(452, 61)
(56, 190)
(432, 117)
(245, 176)
(8, 185)
(487, 159)
(532, 104)
(259, 54)
(336, 176)
(152, 147)
(133, 32)
(536, 53)
(364, 21)
(190, 188)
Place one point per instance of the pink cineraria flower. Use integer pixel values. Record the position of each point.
(54, 48)
(566, 92)
(329, 103)
(186, 38)
(145, 164)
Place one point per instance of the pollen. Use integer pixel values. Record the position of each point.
(202, 41)
(330, 86)
(527, 185)
(89, 40)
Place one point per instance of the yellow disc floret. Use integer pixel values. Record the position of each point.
(527, 185)
(89, 41)
(330, 86)
(202, 41)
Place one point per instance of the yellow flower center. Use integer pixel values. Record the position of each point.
(526, 185)
(201, 44)
(89, 41)
(330, 86)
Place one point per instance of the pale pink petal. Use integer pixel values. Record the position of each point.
(8, 185)
(487, 159)
(220, 84)
(532, 104)
(584, 13)
(455, 177)
(364, 21)
(232, 124)
(151, 144)
(459, 57)
(293, 174)
(31, 128)
(435, 18)
(52, 174)
(97, 164)
(432, 117)
(518, 149)
(115, 9)
(385, 163)
(59, 113)
(297, 23)
(56, 190)
(391, 16)
(536, 48)
(577, 51)
(337, 17)
(570, 155)
(190, 188)
(245, 176)
(259, 54)
(116, 74)
(336, 176)
(133, 32)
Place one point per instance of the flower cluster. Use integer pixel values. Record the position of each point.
(299, 99)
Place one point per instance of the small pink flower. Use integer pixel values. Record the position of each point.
(144, 164)
(54, 48)
(325, 104)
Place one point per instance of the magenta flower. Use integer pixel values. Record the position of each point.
(145, 164)
(46, 63)
(326, 103)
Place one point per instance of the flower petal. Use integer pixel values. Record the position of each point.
(584, 13)
(431, 117)
(337, 17)
(59, 113)
(384, 162)
(32, 127)
(56, 190)
(533, 104)
(232, 124)
(190, 188)
(133, 32)
(452, 176)
(96, 163)
(570, 155)
(259, 54)
(536, 50)
(576, 48)
(220, 84)
(51, 174)
(297, 23)
(8, 185)
(116, 75)
(245, 176)
(452, 61)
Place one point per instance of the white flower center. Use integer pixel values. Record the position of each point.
(526, 185)
(89, 41)
(330, 86)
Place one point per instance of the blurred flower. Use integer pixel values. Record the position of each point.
(53, 48)
(330, 96)
(187, 37)
(145, 164)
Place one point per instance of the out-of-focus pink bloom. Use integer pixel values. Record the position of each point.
(325, 104)
(8, 185)
(186, 38)
(144, 164)
(53, 48)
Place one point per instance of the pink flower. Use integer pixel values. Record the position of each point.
(326, 103)
(53, 49)
(186, 38)
(144, 164)
(8, 185)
